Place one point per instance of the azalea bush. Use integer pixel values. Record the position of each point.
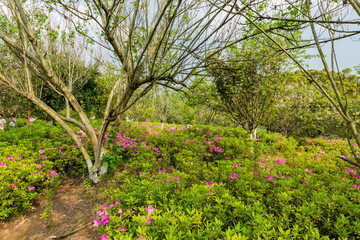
(201, 182)
(31, 162)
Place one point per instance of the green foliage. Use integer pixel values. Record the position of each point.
(31, 159)
(247, 82)
(206, 183)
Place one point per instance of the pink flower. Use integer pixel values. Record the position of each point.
(13, 186)
(105, 219)
(217, 138)
(280, 161)
(305, 182)
(209, 183)
(269, 177)
(210, 191)
(3, 164)
(256, 174)
(122, 229)
(103, 237)
(148, 222)
(233, 176)
(96, 222)
(150, 209)
(117, 202)
(31, 188)
(10, 157)
(236, 165)
(41, 151)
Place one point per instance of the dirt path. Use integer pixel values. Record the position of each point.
(73, 207)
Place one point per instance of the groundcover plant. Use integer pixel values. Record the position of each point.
(202, 182)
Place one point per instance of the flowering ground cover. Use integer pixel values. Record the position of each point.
(213, 183)
(30, 162)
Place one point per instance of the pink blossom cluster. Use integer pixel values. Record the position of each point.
(171, 129)
(236, 165)
(124, 141)
(150, 209)
(104, 215)
(3, 164)
(51, 174)
(280, 162)
(80, 134)
(234, 176)
(216, 149)
(351, 171)
(151, 131)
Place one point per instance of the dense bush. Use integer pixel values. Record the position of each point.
(31, 158)
(212, 183)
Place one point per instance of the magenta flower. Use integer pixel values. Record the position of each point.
(117, 202)
(122, 229)
(280, 161)
(150, 209)
(31, 188)
(207, 134)
(103, 237)
(105, 219)
(236, 165)
(269, 177)
(210, 191)
(209, 183)
(148, 222)
(9, 157)
(233, 176)
(305, 182)
(217, 138)
(13, 186)
(3, 164)
(256, 174)
(41, 151)
(96, 223)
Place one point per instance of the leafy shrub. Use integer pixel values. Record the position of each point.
(173, 186)
(31, 158)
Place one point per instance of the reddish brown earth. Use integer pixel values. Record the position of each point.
(73, 207)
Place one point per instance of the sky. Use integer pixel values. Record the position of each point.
(347, 50)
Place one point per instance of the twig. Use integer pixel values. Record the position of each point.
(349, 161)
(69, 233)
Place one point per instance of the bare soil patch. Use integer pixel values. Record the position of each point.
(73, 207)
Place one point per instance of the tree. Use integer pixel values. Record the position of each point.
(152, 42)
(319, 15)
(247, 83)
